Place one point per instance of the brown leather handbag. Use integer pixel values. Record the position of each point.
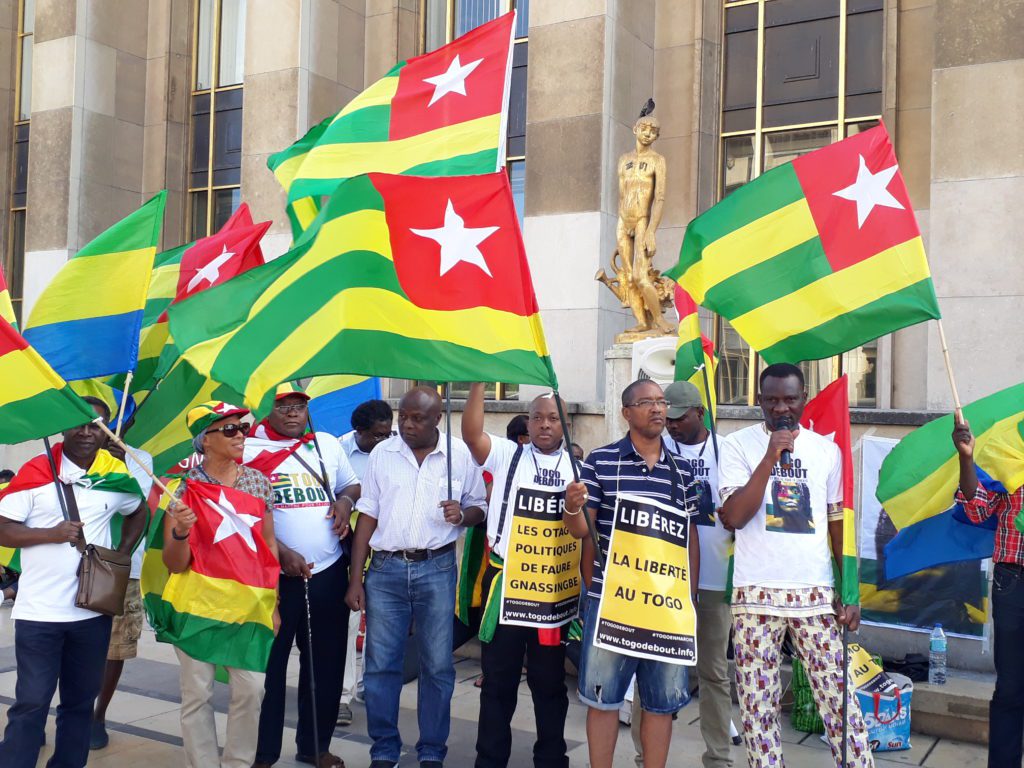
(102, 573)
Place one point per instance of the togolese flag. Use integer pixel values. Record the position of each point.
(828, 414)
(439, 114)
(814, 257)
(401, 276)
(6, 307)
(34, 401)
(220, 610)
(693, 350)
(333, 398)
(86, 323)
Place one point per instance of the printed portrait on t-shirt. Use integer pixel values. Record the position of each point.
(790, 510)
(705, 504)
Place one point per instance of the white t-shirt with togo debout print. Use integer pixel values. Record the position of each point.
(785, 544)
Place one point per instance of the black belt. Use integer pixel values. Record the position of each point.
(419, 555)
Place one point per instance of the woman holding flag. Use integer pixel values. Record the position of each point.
(220, 549)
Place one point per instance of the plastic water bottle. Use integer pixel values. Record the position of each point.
(937, 657)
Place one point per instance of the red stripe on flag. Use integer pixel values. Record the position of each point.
(10, 339)
(685, 305)
(835, 169)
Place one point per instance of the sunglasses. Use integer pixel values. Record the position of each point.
(230, 430)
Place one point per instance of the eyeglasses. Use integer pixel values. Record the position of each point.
(648, 403)
(286, 409)
(230, 430)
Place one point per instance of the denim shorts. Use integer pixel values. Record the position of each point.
(605, 675)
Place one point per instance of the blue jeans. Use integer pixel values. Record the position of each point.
(399, 593)
(70, 654)
(604, 675)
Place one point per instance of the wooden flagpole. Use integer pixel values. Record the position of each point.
(949, 372)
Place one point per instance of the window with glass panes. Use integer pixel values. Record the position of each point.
(215, 162)
(14, 263)
(796, 75)
(445, 20)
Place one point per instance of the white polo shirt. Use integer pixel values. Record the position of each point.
(404, 496)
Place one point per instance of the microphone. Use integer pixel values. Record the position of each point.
(786, 460)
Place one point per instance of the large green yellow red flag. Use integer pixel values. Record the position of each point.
(221, 609)
(695, 352)
(400, 276)
(439, 114)
(828, 414)
(6, 306)
(34, 401)
(815, 257)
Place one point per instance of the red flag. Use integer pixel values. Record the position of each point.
(219, 257)
(828, 414)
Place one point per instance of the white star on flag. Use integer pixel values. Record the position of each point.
(210, 272)
(451, 81)
(231, 522)
(458, 242)
(869, 190)
(222, 408)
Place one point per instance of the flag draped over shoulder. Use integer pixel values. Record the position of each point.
(86, 323)
(34, 401)
(107, 473)
(439, 114)
(220, 610)
(828, 414)
(815, 257)
(693, 350)
(333, 398)
(400, 276)
(6, 307)
(920, 475)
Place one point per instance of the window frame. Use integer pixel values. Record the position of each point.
(14, 259)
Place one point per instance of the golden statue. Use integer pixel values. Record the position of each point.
(637, 284)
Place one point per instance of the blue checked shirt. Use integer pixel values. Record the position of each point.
(618, 468)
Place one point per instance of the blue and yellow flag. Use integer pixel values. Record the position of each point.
(333, 398)
(86, 323)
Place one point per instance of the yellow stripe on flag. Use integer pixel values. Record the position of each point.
(223, 600)
(175, 430)
(920, 501)
(746, 247)
(24, 374)
(377, 95)
(834, 295)
(375, 309)
(342, 161)
(117, 273)
(163, 284)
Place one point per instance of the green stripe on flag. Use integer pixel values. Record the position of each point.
(47, 413)
(137, 231)
(895, 310)
(370, 124)
(485, 161)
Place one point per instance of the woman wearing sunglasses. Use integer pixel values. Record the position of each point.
(219, 437)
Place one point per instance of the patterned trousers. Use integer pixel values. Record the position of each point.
(818, 643)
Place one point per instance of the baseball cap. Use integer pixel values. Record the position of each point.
(681, 396)
(287, 389)
(202, 416)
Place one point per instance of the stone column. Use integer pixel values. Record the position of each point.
(88, 110)
(977, 179)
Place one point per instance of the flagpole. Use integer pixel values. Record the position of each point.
(566, 438)
(711, 408)
(448, 431)
(846, 690)
(135, 457)
(124, 400)
(949, 372)
(56, 482)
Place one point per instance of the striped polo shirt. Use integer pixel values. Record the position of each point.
(618, 468)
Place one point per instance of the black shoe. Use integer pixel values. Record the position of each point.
(431, 764)
(383, 764)
(98, 738)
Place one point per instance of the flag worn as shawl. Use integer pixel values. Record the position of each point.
(34, 401)
(107, 473)
(220, 610)
(815, 257)
(86, 323)
(333, 398)
(400, 276)
(828, 414)
(439, 114)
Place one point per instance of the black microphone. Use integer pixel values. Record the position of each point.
(786, 460)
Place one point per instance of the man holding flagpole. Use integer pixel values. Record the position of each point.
(782, 492)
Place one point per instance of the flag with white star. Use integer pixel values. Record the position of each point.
(814, 257)
(220, 610)
(402, 276)
(439, 114)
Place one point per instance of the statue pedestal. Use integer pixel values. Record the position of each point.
(618, 374)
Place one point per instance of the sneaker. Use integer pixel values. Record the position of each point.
(98, 738)
(344, 715)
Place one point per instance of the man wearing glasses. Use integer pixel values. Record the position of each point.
(638, 464)
(307, 473)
